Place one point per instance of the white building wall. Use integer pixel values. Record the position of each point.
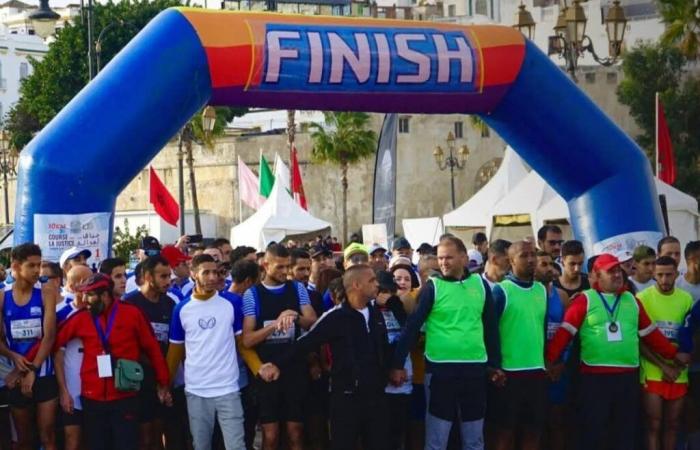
(15, 51)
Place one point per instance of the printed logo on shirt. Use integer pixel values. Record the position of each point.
(207, 323)
(35, 310)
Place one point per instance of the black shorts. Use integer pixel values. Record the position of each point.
(150, 407)
(69, 420)
(457, 397)
(283, 400)
(44, 389)
(521, 402)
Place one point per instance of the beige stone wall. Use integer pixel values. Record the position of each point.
(422, 189)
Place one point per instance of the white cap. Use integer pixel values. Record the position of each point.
(399, 261)
(73, 252)
(623, 256)
(476, 259)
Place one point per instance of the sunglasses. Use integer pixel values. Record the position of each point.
(554, 242)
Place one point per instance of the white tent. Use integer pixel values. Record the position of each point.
(476, 212)
(426, 229)
(682, 212)
(278, 217)
(532, 201)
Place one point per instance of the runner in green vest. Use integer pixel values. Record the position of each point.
(665, 384)
(521, 306)
(611, 322)
(461, 334)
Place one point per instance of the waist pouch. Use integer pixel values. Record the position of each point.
(128, 375)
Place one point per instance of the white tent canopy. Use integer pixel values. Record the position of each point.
(682, 212)
(476, 212)
(426, 229)
(532, 197)
(278, 217)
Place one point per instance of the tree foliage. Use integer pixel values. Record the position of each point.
(344, 139)
(682, 20)
(124, 243)
(63, 72)
(651, 68)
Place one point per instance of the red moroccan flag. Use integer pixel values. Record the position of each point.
(297, 184)
(666, 161)
(163, 203)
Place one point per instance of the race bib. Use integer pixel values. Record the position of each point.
(668, 329)
(391, 323)
(552, 328)
(161, 331)
(279, 336)
(393, 327)
(26, 328)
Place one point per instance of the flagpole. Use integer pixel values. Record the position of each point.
(150, 205)
(656, 132)
(240, 197)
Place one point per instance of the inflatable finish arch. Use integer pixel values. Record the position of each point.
(186, 58)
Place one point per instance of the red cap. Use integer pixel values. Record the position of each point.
(95, 282)
(605, 262)
(173, 255)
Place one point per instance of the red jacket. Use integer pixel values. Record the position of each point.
(573, 319)
(131, 335)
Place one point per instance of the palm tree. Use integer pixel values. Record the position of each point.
(194, 131)
(682, 19)
(344, 139)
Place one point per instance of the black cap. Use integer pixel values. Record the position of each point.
(400, 243)
(149, 243)
(320, 249)
(386, 281)
(426, 249)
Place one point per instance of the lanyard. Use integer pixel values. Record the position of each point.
(104, 334)
(612, 312)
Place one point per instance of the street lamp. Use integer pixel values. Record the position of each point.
(98, 42)
(452, 161)
(570, 40)
(44, 19)
(208, 119)
(524, 22)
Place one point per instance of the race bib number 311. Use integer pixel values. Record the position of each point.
(25, 328)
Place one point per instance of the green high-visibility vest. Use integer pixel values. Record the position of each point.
(668, 312)
(454, 331)
(596, 348)
(522, 326)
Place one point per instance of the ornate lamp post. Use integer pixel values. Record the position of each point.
(570, 40)
(451, 161)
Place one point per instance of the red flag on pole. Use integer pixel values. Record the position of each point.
(297, 184)
(163, 203)
(666, 169)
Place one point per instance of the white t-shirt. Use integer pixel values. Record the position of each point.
(641, 286)
(692, 289)
(208, 329)
(365, 313)
(490, 283)
(72, 356)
